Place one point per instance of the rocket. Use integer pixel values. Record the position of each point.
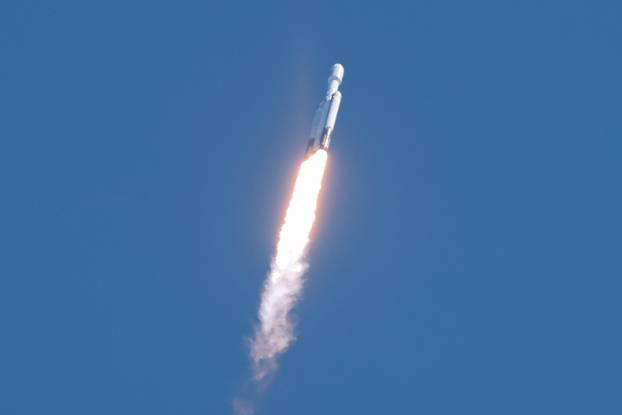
(326, 113)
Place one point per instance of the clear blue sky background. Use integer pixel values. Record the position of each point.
(467, 258)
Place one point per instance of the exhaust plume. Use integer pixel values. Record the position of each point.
(275, 331)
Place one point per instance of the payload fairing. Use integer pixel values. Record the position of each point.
(326, 114)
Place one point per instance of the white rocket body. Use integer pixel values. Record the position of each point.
(326, 114)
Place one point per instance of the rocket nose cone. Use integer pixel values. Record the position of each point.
(337, 72)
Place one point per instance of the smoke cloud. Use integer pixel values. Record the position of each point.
(243, 407)
(275, 332)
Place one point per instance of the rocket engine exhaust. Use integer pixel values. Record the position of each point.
(275, 330)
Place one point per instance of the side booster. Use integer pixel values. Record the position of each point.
(326, 114)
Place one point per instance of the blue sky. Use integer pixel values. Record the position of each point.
(467, 253)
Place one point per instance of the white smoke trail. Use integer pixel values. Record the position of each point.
(275, 331)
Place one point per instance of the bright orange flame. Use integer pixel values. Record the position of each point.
(294, 235)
